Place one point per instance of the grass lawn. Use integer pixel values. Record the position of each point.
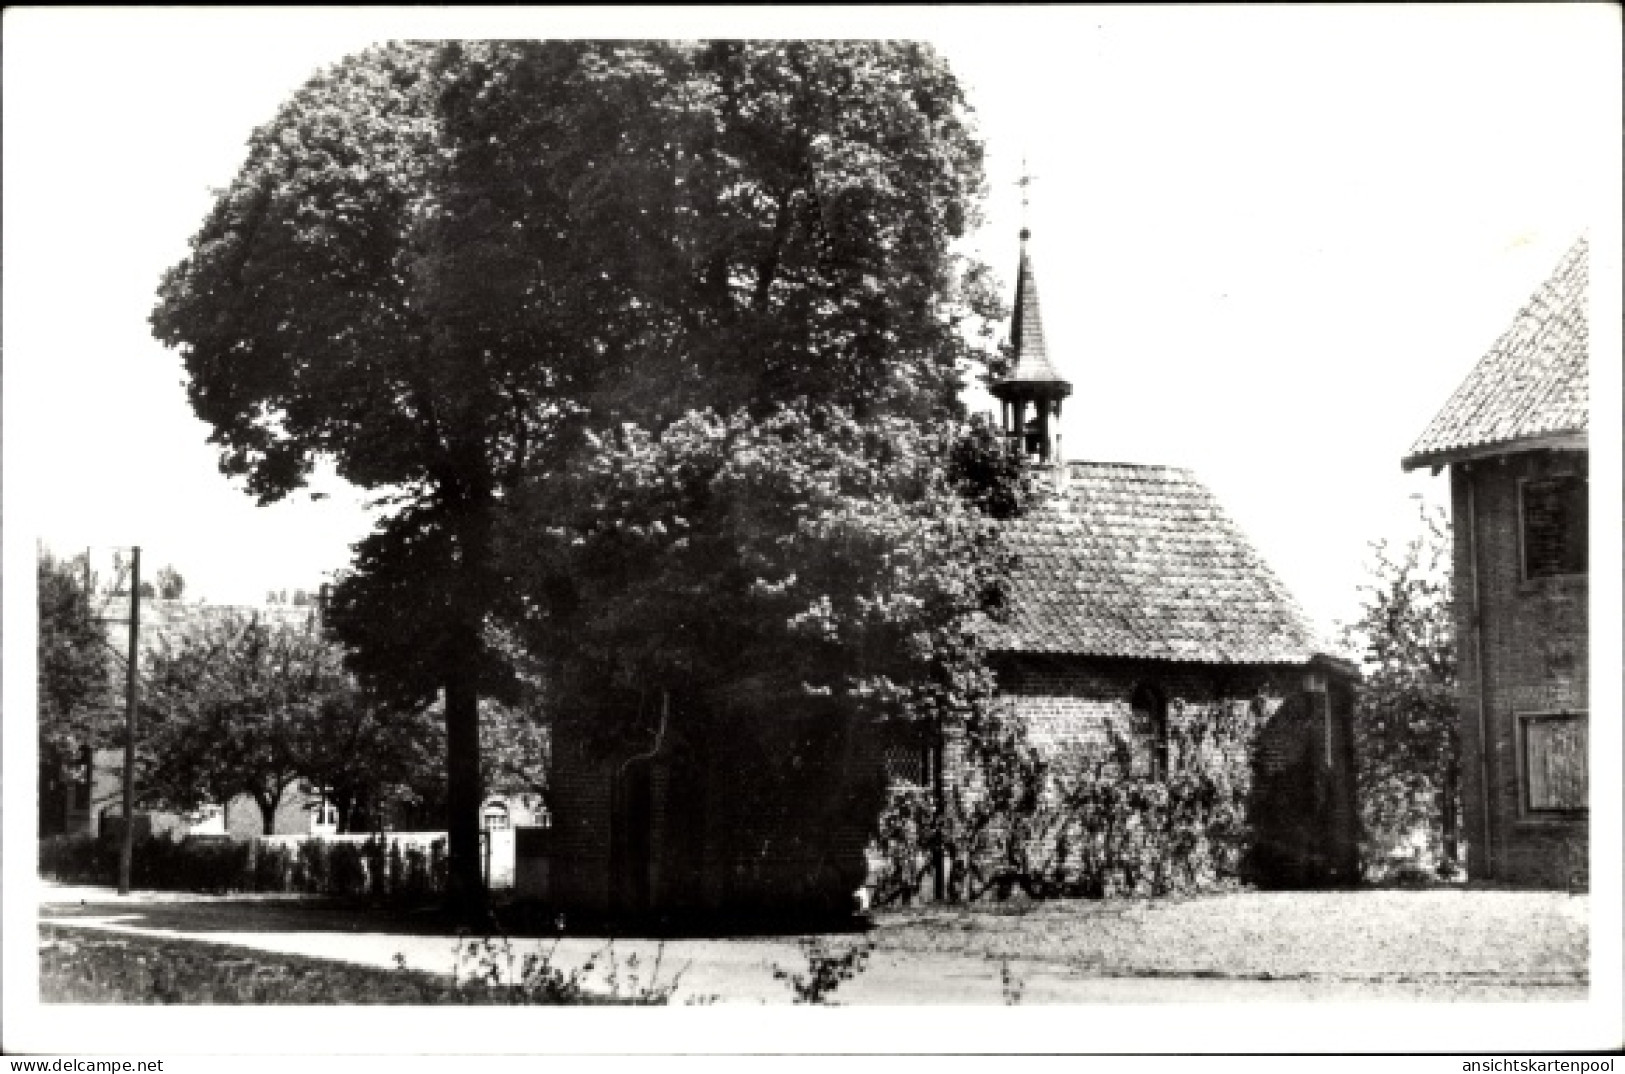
(1461, 933)
(1458, 943)
(84, 966)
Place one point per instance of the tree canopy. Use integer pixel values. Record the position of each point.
(234, 704)
(806, 562)
(77, 706)
(171, 585)
(1406, 722)
(461, 270)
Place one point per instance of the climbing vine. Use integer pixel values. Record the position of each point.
(1068, 820)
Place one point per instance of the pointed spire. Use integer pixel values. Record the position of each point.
(1032, 379)
(1031, 375)
(1032, 365)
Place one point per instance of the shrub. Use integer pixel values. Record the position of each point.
(273, 867)
(215, 864)
(78, 859)
(347, 872)
(195, 863)
(375, 859)
(827, 969)
(312, 867)
(438, 865)
(905, 842)
(415, 884)
(397, 868)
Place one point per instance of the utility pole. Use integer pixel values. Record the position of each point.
(939, 800)
(127, 849)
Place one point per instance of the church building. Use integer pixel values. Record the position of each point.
(1141, 613)
(1140, 610)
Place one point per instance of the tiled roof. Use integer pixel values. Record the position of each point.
(165, 622)
(1532, 383)
(1141, 562)
(1032, 364)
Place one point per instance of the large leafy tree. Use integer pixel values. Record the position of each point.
(1406, 726)
(443, 265)
(804, 561)
(745, 591)
(369, 758)
(235, 704)
(77, 705)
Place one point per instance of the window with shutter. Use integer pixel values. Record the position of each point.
(1555, 523)
(1554, 762)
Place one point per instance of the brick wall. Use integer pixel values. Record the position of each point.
(1299, 736)
(1073, 701)
(1535, 653)
(578, 845)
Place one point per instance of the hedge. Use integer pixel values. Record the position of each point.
(217, 864)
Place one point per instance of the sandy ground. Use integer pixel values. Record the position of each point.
(1339, 947)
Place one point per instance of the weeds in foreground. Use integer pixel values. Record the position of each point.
(827, 969)
(490, 963)
(1012, 986)
(81, 966)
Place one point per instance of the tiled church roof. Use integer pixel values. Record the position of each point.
(1531, 386)
(1141, 562)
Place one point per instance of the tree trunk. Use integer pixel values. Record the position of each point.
(464, 790)
(465, 878)
(344, 803)
(268, 805)
(1448, 820)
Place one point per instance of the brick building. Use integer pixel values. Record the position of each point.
(1138, 606)
(1514, 437)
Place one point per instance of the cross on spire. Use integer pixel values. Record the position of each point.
(1025, 182)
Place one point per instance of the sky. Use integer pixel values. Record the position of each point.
(1268, 243)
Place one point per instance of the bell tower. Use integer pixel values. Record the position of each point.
(1032, 384)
